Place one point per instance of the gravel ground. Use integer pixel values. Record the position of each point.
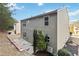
(73, 46)
(8, 49)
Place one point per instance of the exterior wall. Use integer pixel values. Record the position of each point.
(38, 23)
(17, 27)
(57, 30)
(62, 28)
(23, 29)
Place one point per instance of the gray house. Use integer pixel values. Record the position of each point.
(55, 24)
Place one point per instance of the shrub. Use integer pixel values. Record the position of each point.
(35, 37)
(63, 52)
(41, 44)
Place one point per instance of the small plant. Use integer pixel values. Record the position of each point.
(70, 33)
(64, 52)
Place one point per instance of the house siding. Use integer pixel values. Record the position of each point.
(38, 23)
(17, 27)
(62, 28)
(57, 30)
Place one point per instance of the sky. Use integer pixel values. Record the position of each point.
(24, 10)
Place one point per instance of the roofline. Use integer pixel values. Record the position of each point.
(55, 11)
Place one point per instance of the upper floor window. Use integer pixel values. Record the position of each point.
(46, 20)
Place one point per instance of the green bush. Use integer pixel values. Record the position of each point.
(64, 52)
(41, 44)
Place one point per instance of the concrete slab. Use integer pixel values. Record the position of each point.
(21, 44)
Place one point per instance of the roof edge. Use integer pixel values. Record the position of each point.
(55, 11)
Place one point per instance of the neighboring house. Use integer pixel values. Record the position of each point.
(74, 28)
(17, 28)
(71, 28)
(55, 24)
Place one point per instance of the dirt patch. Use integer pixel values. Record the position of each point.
(8, 49)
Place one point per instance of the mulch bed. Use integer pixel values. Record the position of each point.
(43, 53)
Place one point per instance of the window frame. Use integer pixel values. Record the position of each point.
(46, 22)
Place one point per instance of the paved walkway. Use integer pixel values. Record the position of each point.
(23, 44)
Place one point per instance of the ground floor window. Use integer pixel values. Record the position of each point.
(24, 34)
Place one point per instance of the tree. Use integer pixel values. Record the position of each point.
(35, 37)
(6, 19)
(41, 44)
